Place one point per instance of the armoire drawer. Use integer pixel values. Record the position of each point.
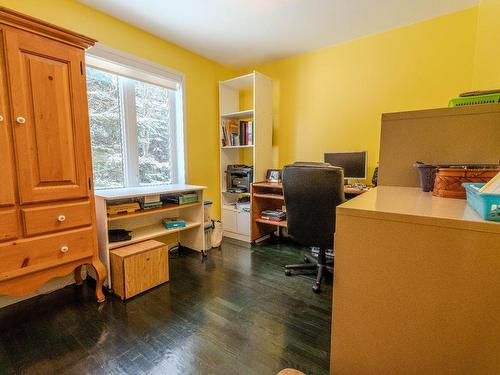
(46, 219)
(9, 229)
(48, 250)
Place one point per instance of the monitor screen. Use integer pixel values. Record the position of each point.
(353, 163)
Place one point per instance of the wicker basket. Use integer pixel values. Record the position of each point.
(448, 182)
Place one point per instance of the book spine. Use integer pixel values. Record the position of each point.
(224, 133)
(250, 132)
(246, 133)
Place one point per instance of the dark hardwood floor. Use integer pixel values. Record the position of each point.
(234, 313)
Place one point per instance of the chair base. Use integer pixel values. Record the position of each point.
(320, 264)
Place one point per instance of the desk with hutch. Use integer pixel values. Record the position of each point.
(269, 196)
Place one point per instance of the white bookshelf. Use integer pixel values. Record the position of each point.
(247, 97)
(147, 224)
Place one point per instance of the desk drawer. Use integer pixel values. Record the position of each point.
(45, 251)
(46, 219)
(9, 225)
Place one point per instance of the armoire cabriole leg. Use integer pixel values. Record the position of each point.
(100, 277)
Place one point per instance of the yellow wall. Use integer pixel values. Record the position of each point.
(202, 76)
(331, 99)
(487, 65)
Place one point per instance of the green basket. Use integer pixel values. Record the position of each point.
(475, 100)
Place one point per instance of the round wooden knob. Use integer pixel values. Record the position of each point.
(20, 120)
(61, 218)
(64, 249)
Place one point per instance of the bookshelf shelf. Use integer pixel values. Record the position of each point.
(166, 208)
(149, 232)
(233, 193)
(238, 126)
(241, 146)
(239, 115)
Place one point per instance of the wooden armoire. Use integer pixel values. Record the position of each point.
(47, 215)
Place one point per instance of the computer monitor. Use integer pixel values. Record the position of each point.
(353, 163)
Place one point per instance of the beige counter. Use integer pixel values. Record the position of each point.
(417, 286)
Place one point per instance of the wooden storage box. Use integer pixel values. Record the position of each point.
(448, 182)
(139, 267)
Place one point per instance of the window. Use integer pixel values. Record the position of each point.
(136, 123)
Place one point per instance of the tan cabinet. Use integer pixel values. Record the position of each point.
(47, 209)
(139, 267)
(7, 185)
(49, 130)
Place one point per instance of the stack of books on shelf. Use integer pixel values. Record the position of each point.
(273, 215)
(151, 201)
(237, 133)
(174, 222)
(180, 198)
(122, 206)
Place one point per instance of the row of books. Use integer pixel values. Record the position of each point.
(237, 133)
(155, 201)
(180, 198)
(273, 215)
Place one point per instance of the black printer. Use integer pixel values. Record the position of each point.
(238, 178)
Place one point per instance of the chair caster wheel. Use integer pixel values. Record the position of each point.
(204, 253)
(316, 288)
(288, 273)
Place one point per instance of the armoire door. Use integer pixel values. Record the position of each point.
(50, 123)
(7, 177)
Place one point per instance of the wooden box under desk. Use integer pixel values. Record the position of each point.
(139, 267)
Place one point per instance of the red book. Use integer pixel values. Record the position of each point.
(270, 218)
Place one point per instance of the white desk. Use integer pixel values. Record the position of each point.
(417, 286)
(146, 224)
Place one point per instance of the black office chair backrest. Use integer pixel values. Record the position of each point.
(312, 192)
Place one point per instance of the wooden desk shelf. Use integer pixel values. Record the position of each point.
(266, 196)
(270, 196)
(281, 224)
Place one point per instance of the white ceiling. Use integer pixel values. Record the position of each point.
(249, 32)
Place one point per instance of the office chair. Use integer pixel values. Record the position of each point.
(312, 192)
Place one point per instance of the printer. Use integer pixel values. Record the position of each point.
(238, 178)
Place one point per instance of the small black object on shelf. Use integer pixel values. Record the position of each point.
(118, 235)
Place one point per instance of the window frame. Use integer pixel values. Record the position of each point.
(123, 64)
